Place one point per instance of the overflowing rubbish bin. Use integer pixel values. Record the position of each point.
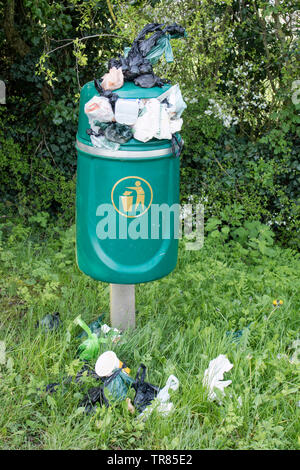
(127, 198)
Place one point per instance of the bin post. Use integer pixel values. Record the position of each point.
(122, 306)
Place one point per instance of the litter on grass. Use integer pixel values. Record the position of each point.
(214, 374)
(145, 391)
(49, 322)
(116, 386)
(114, 375)
(95, 327)
(90, 348)
(107, 363)
(162, 402)
(116, 381)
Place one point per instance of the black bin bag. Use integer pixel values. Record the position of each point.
(136, 66)
(145, 391)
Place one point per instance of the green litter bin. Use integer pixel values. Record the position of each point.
(127, 203)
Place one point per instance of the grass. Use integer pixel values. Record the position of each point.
(183, 322)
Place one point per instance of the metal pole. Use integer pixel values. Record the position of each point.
(122, 306)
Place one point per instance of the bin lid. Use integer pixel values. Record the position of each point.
(128, 90)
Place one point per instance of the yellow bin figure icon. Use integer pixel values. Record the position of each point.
(127, 201)
(140, 194)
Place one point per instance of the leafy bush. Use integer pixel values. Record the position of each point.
(239, 75)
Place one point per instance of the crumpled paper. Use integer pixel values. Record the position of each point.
(213, 375)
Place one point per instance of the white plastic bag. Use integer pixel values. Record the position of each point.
(126, 111)
(176, 102)
(114, 333)
(113, 80)
(154, 122)
(147, 124)
(161, 403)
(98, 109)
(173, 384)
(164, 131)
(175, 125)
(213, 375)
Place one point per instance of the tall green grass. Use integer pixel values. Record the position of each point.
(183, 322)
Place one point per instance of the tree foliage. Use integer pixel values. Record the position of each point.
(237, 70)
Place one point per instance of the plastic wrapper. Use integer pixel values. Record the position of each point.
(162, 402)
(176, 104)
(113, 80)
(95, 327)
(90, 348)
(126, 111)
(154, 122)
(177, 145)
(94, 395)
(175, 125)
(111, 96)
(118, 384)
(103, 143)
(119, 133)
(162, 46)
(147, 124)
(148, 80)
(113, 333)
(98, 108)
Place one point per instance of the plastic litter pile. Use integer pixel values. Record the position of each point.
(113, 375)
(114, 382)
(117, 381)
(114, 121)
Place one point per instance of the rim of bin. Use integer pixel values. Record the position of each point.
(134, 154)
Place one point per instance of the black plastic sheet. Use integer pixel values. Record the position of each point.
(136, 67)
(145, 391)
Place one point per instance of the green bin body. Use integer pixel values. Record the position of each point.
(125, 230)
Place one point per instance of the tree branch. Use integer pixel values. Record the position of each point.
(81, 39)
